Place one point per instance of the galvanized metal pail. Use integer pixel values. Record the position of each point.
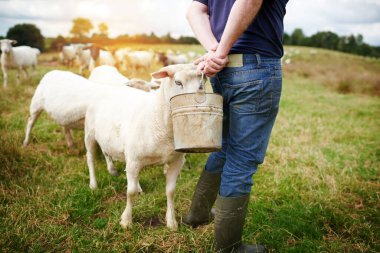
(197, 122)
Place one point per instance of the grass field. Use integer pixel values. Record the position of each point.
(318, 190)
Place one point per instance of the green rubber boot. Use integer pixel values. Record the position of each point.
(229, 221)
(203, 199)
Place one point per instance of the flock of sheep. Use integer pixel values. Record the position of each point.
(129, 124)
(91, 56)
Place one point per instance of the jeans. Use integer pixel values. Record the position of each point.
(251, 95)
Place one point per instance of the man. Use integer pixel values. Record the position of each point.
(243, 39)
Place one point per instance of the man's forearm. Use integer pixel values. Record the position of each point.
(241, 16)
(200, 24)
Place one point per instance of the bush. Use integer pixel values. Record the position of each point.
(27, 35)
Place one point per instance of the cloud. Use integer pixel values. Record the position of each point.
(340, 16)
(144, 16)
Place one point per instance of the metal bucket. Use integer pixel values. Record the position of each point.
(197, 122)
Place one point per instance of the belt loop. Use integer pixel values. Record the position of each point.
(258, 60)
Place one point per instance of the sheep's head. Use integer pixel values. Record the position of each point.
(180, 79)
(94, 51)
(162, 58)
(6, 45)
(139, 84)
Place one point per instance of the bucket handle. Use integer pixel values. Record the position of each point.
(201, 92)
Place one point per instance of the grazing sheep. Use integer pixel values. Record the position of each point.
(170, 59)
(99, 57)
(120, 56)
(84, 58)
(69, 54)
(136, 127)
(191, 54)
(20, 57)
(136, 60)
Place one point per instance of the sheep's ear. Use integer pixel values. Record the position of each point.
(162, 73)
(13, 42)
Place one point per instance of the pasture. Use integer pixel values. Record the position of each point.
(317, 191)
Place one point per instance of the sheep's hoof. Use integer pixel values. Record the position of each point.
(172, 225)
(125, 224)
(25, 143)
(114, 172)
(71, 146)
(93, 186)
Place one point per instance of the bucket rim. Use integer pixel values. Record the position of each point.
(187, 93)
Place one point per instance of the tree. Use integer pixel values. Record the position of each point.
(81, 28)
(103, 29)
(27, 35)
(286, 39)
(298, 37)
(327, 40)
(58, 43)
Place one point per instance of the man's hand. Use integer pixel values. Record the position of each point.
(211, 63)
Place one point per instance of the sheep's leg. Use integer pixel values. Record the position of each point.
(173, 170)
(132, 170)
(90, 144)
(31, 120)
(110, 166)
(81, 70)
(5, 76)
(25, 71)
(34, 69)
(139, 188)
(18, 75)
(69, 137)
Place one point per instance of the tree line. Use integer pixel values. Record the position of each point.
(329, 40)
(83, 31)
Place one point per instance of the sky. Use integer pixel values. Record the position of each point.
(54, 17)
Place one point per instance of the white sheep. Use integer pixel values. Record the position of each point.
(65, 97)
(108, 75)
(120, 57)
(136, 60)
(84, 58)
(170, 59)
(191, 54)
(69, 54)
(20, 57)
(99, 57)
(136, 127)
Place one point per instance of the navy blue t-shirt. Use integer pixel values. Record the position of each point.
(263, 36)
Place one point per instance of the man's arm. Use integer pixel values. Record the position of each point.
(241, 16)
(197, 16)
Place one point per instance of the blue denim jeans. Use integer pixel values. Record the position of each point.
(251, 95)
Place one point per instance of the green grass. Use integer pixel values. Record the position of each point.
(318, 190)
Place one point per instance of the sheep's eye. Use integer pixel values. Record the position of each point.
(178, 83)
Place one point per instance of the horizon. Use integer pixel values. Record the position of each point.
(124, 17)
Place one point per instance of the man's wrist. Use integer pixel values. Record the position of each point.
(213, 47)
(222, 52)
